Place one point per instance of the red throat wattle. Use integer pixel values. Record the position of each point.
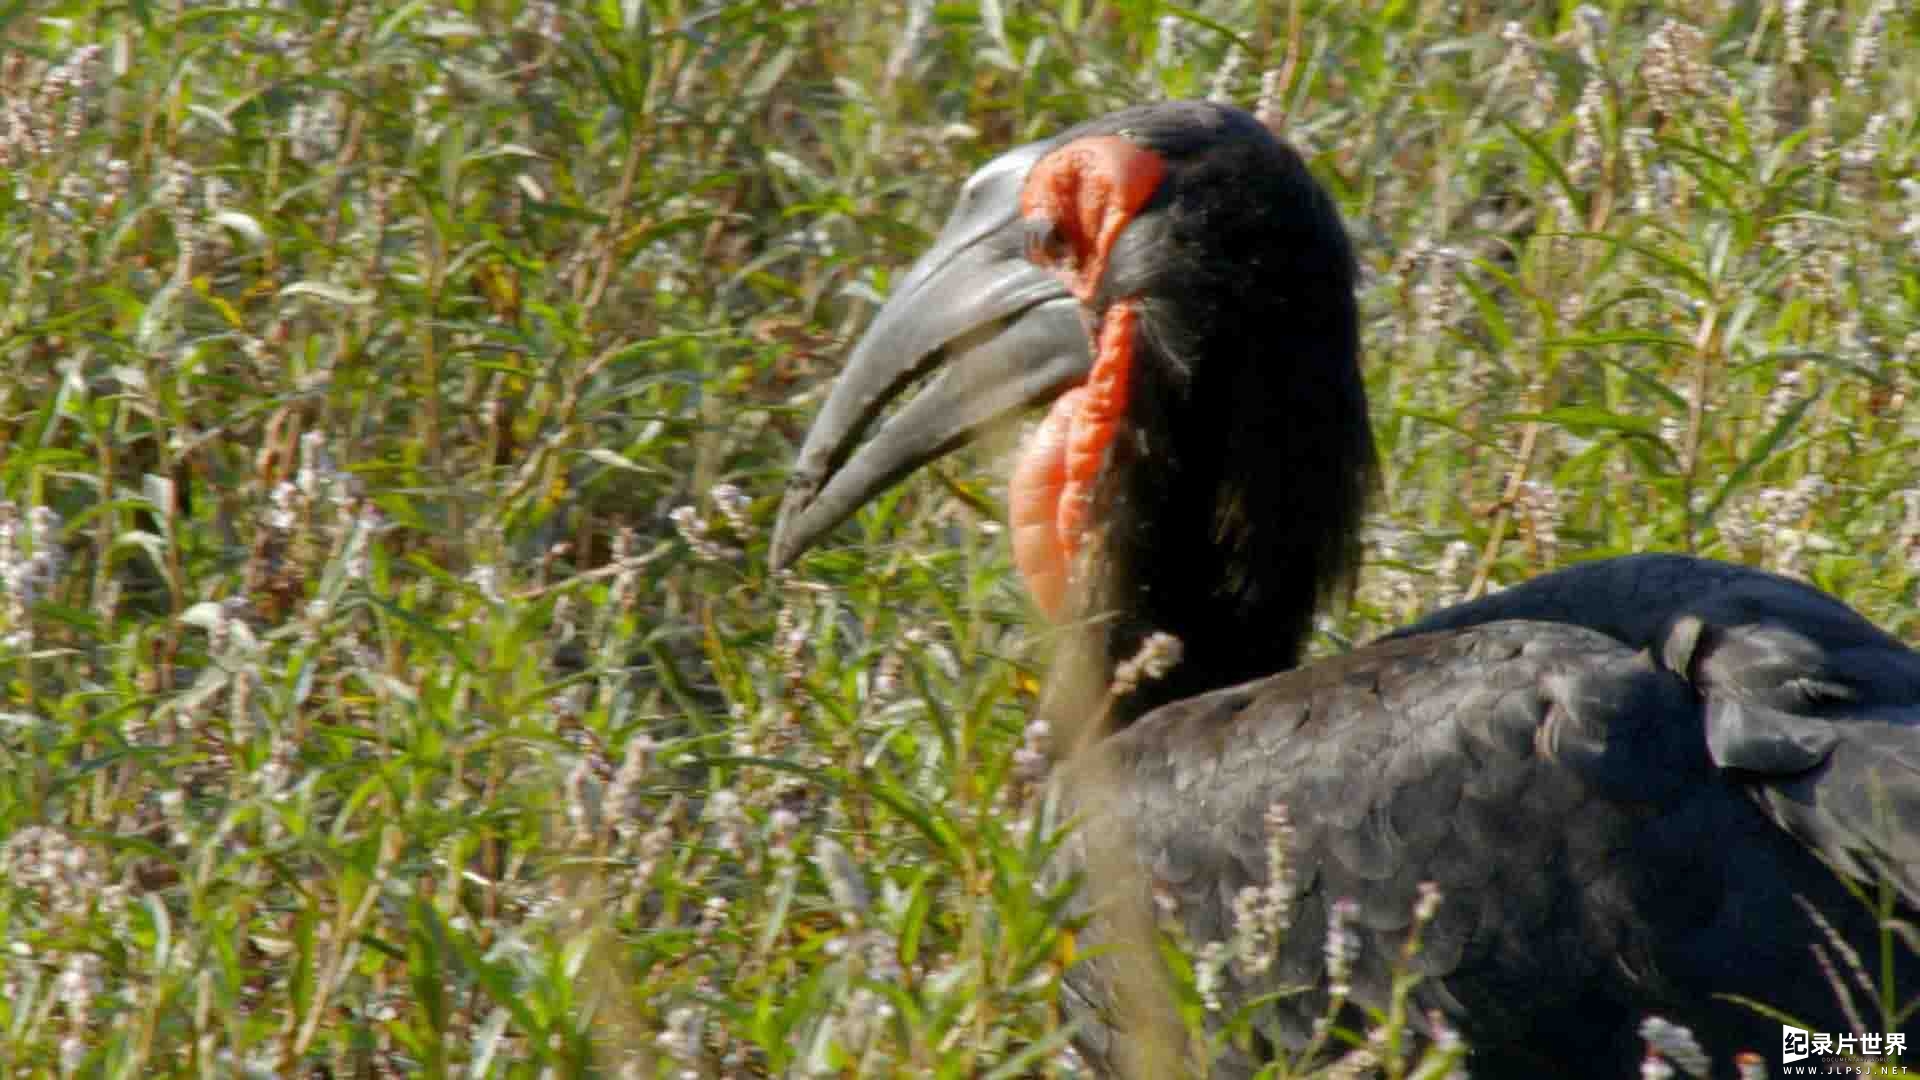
(1051, 495)
(1088, 190)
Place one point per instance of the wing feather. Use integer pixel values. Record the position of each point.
(1624, 781)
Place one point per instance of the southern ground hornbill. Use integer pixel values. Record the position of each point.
(1630, 780)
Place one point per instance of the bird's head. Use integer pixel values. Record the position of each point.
(1174, 286)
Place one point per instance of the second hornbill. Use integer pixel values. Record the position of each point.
(1631, 780)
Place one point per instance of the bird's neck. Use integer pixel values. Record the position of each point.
(1230, 508)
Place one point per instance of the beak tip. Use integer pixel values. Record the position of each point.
(778, 557)
(787, 545)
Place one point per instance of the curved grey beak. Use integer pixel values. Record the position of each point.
(996, 333)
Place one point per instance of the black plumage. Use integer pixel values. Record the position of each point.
(1576, 764)
(1630, 780)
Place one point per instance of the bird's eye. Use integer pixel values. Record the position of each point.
(1046, 244)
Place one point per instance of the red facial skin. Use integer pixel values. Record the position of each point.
(1088, 190)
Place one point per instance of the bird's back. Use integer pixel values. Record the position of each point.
(1602, 851)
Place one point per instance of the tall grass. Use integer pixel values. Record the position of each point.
(394, 397)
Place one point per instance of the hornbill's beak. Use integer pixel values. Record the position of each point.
(997, 333)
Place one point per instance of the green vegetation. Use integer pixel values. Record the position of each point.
(393, 405)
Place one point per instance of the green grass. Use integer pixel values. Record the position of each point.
(367, 701)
